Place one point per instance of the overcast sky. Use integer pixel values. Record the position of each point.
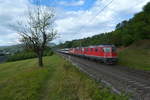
(75, 19)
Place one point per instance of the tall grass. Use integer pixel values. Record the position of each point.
(58, 80)
(136, 58)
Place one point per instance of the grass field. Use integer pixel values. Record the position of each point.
(59, 80)
(137, 56)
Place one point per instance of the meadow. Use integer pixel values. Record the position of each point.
(136, 56)
(58, 80)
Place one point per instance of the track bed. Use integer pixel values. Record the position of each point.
(121, 79)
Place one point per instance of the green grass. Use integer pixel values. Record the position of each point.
(58, 80)
(136, 58)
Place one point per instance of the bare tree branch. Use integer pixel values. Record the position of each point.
(37, 31)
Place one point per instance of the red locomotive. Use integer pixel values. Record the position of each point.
(104, 53)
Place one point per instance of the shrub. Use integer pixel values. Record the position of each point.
(27, 55)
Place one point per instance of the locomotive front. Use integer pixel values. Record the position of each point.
(110, 54)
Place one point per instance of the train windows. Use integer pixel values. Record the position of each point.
(86, 49)
(96, 49)
(91, 49)
(76, 49)
(107, 49)
(82, 49)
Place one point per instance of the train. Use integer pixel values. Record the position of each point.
(104, 53)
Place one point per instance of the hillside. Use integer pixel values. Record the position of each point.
(136, 56)
(16, 48)
(10, 49)
(59, 80)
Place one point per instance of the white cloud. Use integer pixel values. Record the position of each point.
(9, 12)
(73, 3)
(9, 39)
(84, 23)
(71, 24)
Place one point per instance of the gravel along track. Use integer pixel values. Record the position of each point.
(121, 79)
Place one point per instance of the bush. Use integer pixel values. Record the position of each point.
(21, 56)
(27, 55)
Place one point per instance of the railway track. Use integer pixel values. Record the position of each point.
(121, 79)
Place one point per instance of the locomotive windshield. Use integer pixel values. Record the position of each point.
(107, 49)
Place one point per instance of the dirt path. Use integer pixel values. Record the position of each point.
(121, 79)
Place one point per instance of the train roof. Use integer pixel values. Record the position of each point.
(102, 45)
(111, 45)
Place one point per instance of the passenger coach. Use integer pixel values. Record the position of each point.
(104, 53)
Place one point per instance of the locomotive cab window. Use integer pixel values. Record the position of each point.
(107, 49)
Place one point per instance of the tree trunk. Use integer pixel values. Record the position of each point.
(40, 58)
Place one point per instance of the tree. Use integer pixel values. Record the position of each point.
(37, 30)
(147, 7)
(122, 24)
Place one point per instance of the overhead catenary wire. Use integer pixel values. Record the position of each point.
(101, 10)
(93, 18)
(38, 2)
